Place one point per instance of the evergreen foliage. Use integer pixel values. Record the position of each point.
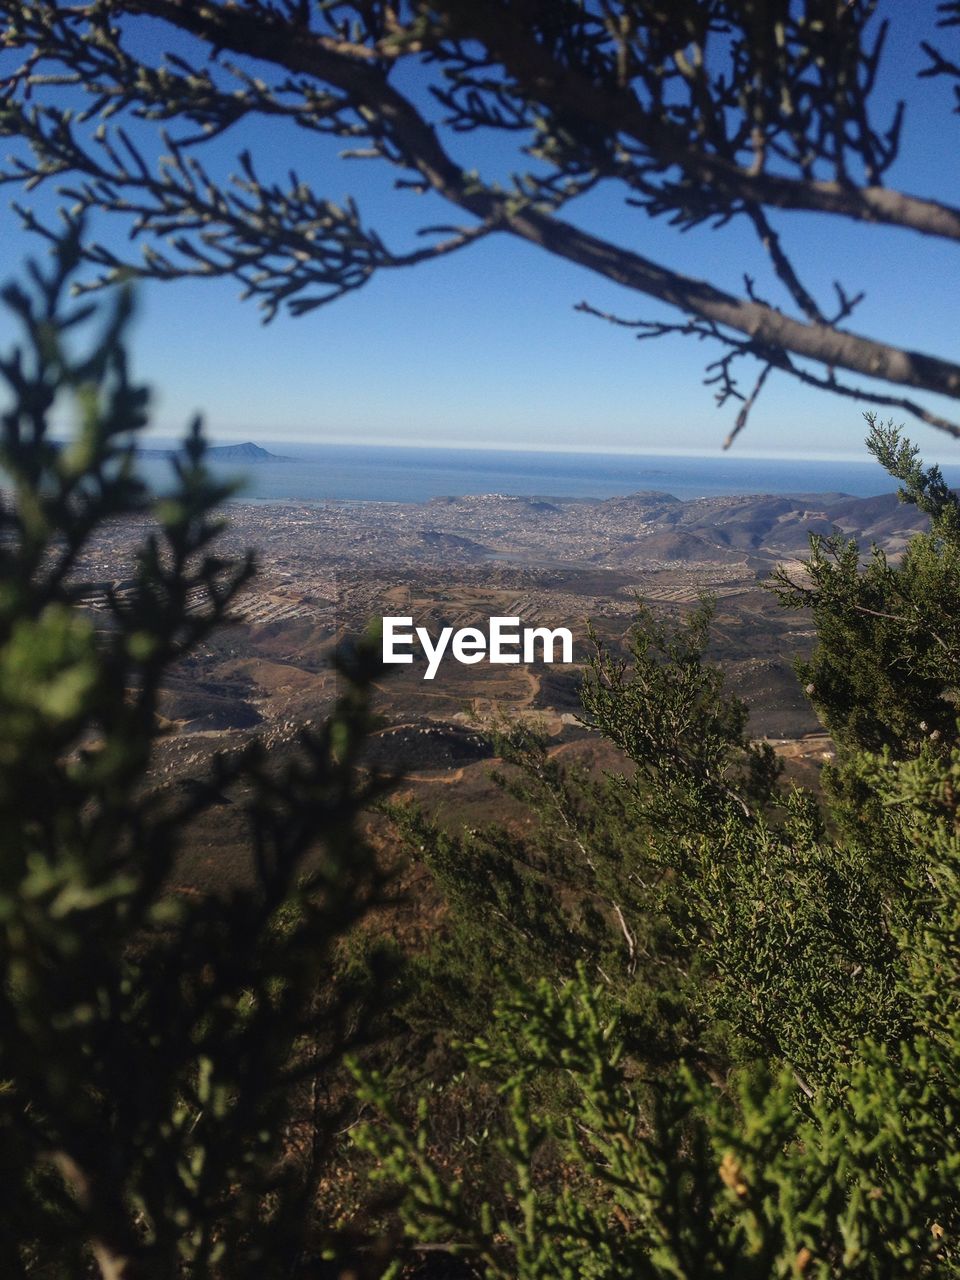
(806, 1122)
(153, 1043)
(887, 661)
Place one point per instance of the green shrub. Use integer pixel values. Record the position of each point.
(154, 1044)
(808, 1122)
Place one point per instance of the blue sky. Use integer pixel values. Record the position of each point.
(484, 348)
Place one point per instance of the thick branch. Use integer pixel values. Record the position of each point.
(763, 324)
(347, 66)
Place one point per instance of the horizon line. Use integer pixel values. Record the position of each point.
(151, 437)
(627, 451)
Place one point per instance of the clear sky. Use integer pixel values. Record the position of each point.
(484, 348)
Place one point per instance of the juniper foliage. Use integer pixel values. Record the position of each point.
(718, 1019)
(808, 1122)
(152, 1041)
(887, 662)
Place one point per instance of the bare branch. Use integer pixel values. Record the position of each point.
(748, 404)
(707, 329)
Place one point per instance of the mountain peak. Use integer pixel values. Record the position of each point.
(246, 452)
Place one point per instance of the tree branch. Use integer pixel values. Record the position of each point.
(509, 33)
(575, 80)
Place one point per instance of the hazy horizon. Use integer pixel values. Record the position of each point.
(274, 444)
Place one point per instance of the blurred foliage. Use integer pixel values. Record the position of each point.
(154, 1043)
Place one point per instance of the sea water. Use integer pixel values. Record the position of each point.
(366, 473)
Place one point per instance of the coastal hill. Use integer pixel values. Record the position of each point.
(246, 452)
(639, 531)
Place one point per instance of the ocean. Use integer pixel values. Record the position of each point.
(364, 473)
(346, 472)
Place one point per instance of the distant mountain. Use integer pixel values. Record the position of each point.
(246, 452)
(771, 525)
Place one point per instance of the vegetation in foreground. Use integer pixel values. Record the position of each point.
(686, 1024)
